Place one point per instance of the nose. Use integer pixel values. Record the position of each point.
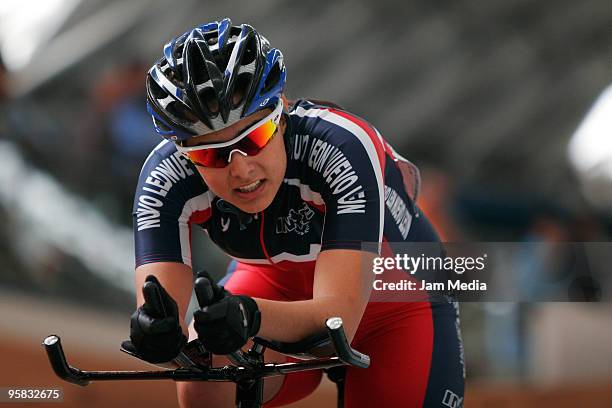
(239, 165)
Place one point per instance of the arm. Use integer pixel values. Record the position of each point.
(342, 284)
(341, 288)
(176, 278)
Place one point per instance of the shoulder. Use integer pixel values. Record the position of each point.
(315, 126)
(327, 120)
(168, 175)
(165, 149)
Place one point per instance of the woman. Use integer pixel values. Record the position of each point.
(291, 191)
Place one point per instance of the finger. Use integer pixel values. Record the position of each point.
(168, 305)
(153, 297)
(204, 291)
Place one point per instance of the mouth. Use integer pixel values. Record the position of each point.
(251, 187)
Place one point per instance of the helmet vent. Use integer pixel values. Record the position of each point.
(178, 51)
(211, 37)
(272, 78)
(250, 51)
(178, 110)
(156, 91)
(241, 87)
(173, 74)
(235, 32)
(175, 77)
(209, 99)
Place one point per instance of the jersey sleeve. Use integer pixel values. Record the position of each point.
(346, 159)
(170, 198)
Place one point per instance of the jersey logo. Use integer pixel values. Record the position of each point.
(225, 225)
(297, 221)
(452, 400)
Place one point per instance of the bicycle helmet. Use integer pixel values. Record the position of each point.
(211, 77)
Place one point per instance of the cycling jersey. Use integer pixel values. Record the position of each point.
(343, 185)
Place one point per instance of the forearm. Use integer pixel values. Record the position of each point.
(341, 289)
(175, 277)
(293, 321)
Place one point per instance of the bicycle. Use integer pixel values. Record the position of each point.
(328, 350)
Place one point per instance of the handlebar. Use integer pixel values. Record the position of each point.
(345, 352)
(74, 375)
(249, 366)
(58, 361)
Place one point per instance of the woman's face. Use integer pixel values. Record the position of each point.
(248, 182)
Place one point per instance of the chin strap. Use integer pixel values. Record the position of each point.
(243, 218)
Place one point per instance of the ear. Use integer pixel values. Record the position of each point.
(286, 102)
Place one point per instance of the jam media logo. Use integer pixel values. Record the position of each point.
(297, 221)
(452, 400)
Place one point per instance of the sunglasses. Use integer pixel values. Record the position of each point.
(249, 143)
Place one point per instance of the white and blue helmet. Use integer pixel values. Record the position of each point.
(211, 77)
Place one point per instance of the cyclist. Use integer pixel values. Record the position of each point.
(290, 190)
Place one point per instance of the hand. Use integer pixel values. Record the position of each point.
(155, 331)
(218, 291)
(225, 325)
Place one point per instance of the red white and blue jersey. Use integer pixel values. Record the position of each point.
(344, 185)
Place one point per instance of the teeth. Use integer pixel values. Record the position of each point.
(249, 187)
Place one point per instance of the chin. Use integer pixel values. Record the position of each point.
(257, 205)
(254, 206)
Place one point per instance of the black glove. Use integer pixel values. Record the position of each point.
(218, 291)
(226, 325)
(155, 331)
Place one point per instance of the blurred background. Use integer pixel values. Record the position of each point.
(504, 106)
